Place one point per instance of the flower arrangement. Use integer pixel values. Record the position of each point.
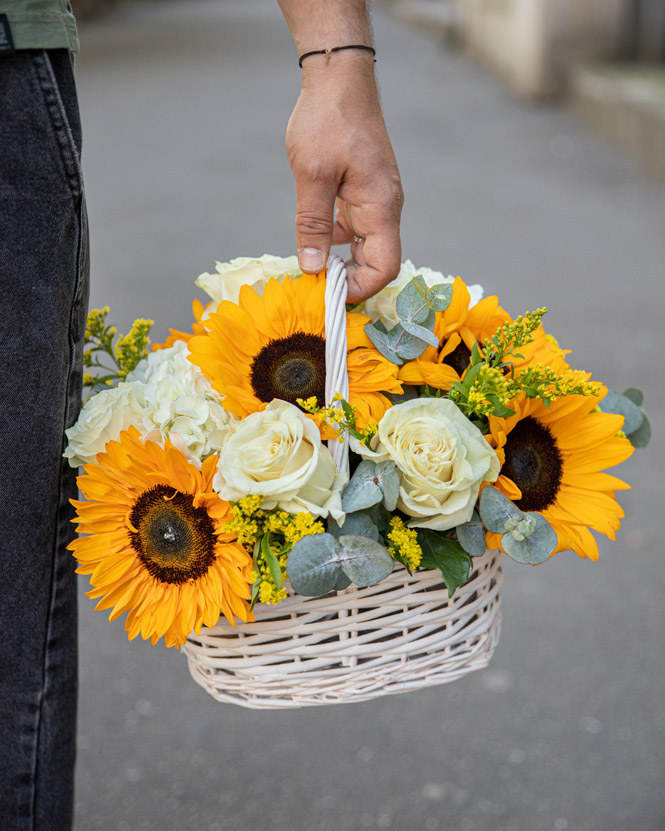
(208, 487)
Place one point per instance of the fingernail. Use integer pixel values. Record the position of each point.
(310, 260)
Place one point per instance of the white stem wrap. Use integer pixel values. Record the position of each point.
(337, 376)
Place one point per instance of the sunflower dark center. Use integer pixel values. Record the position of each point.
(459, 358)
(291, 368)
(174, 541)
(534, 463)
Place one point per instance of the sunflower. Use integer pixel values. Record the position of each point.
(273, 346)
(157, 547)
(551, 464)
(459, 327)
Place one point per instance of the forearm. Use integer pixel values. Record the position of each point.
(339, 149)
(322, 24)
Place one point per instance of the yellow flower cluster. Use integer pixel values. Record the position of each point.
(403, 544)
(96, 323)
(542, 382)
(490, 381)
(341, 418)
(514, 334)
(133, 346)
(246, 522)
(279, 531)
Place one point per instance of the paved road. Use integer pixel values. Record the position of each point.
(184, 106)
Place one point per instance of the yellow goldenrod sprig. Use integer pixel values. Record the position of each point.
(511, 336)
(269, 536)
(403, 544)
(340, 415)
(128, 351)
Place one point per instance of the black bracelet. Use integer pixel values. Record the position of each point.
(336, 49)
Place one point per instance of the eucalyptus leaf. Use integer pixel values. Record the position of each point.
(412, 302)
(389, 482)
(408, 347)
(421, 333)
(364, 489)
(496, 509)
(440, 296)
(641, 436)
(471, 536)
(534, 549)
(379, 516)
(364, 561)
(343, 582)
(357, 523)
(447, 555)
(314, 565)
(385, 341)
(636, 396)
(633, 415)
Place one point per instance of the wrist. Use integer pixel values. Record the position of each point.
(352, 68)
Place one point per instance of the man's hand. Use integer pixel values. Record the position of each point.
(339, 150)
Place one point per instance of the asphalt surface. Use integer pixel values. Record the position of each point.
(184, 107)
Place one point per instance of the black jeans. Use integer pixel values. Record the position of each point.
(44, 284)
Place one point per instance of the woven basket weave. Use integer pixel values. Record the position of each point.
(402, 634)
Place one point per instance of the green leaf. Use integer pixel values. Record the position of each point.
(400, 397)
(314, 565)
(534, 549)
(447, 555)
(633, 415)
(412, 302)
(364, 489)
(408, 346)
(379, 516)
(371, 484)
(636, 396)
(421, 333)
(256, 585)
(385, 341)
(500, 410)
(343, 582)
(439, 296)
(496, 509)
(475, 354)
(364, 561)
(471, 536)
(357, 523)
(641, 436)
(272, 561)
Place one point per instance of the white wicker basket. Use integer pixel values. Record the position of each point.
(402, 634)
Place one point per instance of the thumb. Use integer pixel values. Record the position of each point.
(315, 206)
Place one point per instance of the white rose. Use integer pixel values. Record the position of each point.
(383, 305)
(180, 404)
(441, 459)
(226, 282)
(277, 453)
(101, 420)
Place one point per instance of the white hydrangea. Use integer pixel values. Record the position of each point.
(180, 404)
(383, 305)
(228, 278)
(166, 396)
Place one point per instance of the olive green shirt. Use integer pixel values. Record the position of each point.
(41, 24)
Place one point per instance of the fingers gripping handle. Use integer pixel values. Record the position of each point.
(337, 376)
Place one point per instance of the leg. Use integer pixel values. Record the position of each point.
(44, 285)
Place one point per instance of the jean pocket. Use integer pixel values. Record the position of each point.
(66, 138)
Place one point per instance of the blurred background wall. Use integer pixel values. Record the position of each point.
(607, 57)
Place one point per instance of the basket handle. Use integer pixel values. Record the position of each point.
(337, 376)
